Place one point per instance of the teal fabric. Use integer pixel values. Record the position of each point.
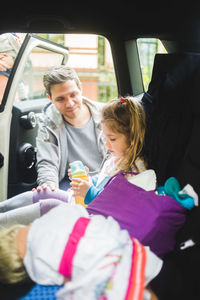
(94, 191)
(172, 189)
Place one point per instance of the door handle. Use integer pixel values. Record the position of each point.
(1, 160)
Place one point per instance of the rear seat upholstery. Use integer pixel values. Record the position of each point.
(173, 149)
(173, 109)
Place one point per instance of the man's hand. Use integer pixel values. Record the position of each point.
(6, 61)
(44, 187)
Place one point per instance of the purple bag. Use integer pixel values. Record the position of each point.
(153, 219)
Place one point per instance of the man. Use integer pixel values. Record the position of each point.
(69, 129)
(10, 44)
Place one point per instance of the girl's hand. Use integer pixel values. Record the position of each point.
(69, 174)
(86, 170)
(80, 187)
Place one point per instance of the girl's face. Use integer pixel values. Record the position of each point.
(115, 141)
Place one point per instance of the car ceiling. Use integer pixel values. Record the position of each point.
(126, 19)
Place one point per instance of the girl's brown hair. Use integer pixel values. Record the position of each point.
(127, 116)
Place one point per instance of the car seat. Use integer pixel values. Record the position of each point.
(173, 118)
(172, 148)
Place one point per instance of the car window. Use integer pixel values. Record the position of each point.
(147, 48)
(90, 56)
(30, 85)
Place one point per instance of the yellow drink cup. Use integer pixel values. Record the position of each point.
(78, 171)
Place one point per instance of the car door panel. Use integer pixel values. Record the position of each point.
(23, 152)
(18, 117)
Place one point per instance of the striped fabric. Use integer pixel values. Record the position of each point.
(136, 284)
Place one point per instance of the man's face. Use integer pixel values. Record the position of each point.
(67, 98)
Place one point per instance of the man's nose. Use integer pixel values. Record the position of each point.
(69, 101)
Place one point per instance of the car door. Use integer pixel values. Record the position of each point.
(23, 100)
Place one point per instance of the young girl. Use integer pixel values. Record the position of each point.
(90, 258)
(123, 124)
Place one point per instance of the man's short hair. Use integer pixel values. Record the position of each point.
(59, 74)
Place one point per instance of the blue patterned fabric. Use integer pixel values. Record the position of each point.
(42, 292)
